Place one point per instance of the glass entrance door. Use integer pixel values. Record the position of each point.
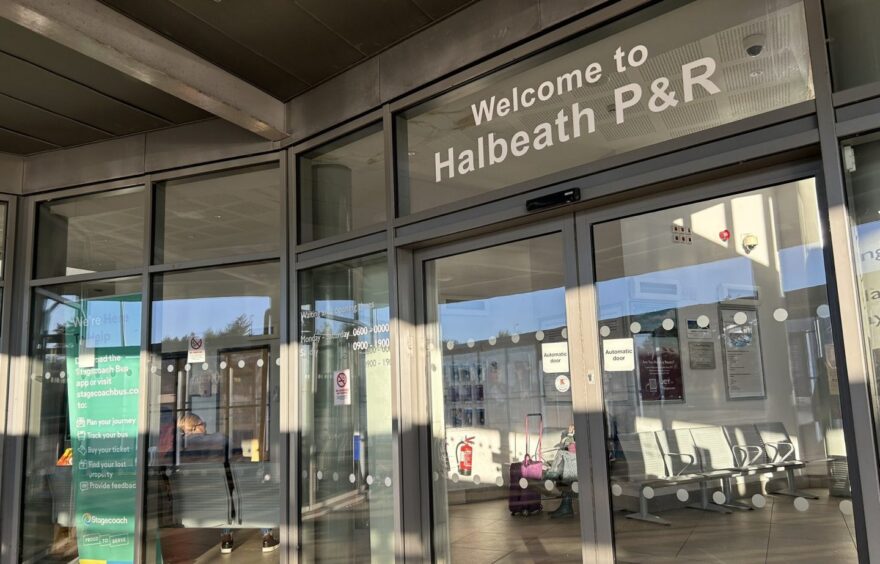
(723, 423)
(504, 436)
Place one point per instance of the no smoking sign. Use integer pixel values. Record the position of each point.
(342, 384)
(195, 353)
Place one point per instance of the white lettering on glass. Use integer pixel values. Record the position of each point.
(576, 121)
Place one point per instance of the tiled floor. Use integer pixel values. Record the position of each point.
(776, 533)
(485, 532)
(201, 546)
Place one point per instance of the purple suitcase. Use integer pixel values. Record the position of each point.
(521, 501)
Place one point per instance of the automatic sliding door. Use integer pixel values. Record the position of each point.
(723, 417)
(504, 472)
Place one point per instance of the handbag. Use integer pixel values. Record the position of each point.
(564, 466)
(533, 468)
(569, 466)
(555, 470)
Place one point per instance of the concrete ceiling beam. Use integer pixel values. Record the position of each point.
(99, 32)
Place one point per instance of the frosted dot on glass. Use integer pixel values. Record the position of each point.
(648, 492)
(548, 485)
(477, 480)
(565, 332)
(780, 314)
(370, 480)
(48, 375)
(668, 324)
(759, 501)
(499, 481)
(223, 365)
(616, 490)
(278, 361)
(320, 475)
(187, 367)
(62, 374)
(241, 364)
(635, 327)
(823, 311)
(260, 362)
(604, 331)
(153, 369)
(846, 507)
(387, 481)
(436, 476)
(492, 340)
(719, 498)
(204, 366)
(335, 476)
(523, 483)
(682, 495)
(454, 478)
(351, 478)
(801, 504)
(514, 338)
(539, 335)
(703, 321)
(471, 343)
(740, 318)
(450, 345)
(575, 487)
(305, 473)
(170, 368)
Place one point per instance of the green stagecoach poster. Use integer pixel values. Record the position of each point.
(103, 386)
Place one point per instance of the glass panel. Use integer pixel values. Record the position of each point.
(79, 493)
(720, 381)
(342, 185)
(214, 456)
(853, 41)
(215, 215)
(862, 164)
(346, 405)
(95, 233)
(505, 480)
(648, 78)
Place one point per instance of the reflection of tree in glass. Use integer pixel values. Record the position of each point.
(241, 326)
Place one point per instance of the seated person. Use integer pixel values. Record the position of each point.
(200, 446)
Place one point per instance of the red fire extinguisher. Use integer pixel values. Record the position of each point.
(464, 456)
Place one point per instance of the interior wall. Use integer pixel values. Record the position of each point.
(784, 269)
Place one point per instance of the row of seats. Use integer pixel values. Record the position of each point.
(700, 455)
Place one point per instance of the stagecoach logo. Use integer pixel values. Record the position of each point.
(571, 122)
(88, 519)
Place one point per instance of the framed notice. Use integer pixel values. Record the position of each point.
(741, 350)
(658, 356)
(701, 355)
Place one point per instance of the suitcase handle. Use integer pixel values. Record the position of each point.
(538, 455)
